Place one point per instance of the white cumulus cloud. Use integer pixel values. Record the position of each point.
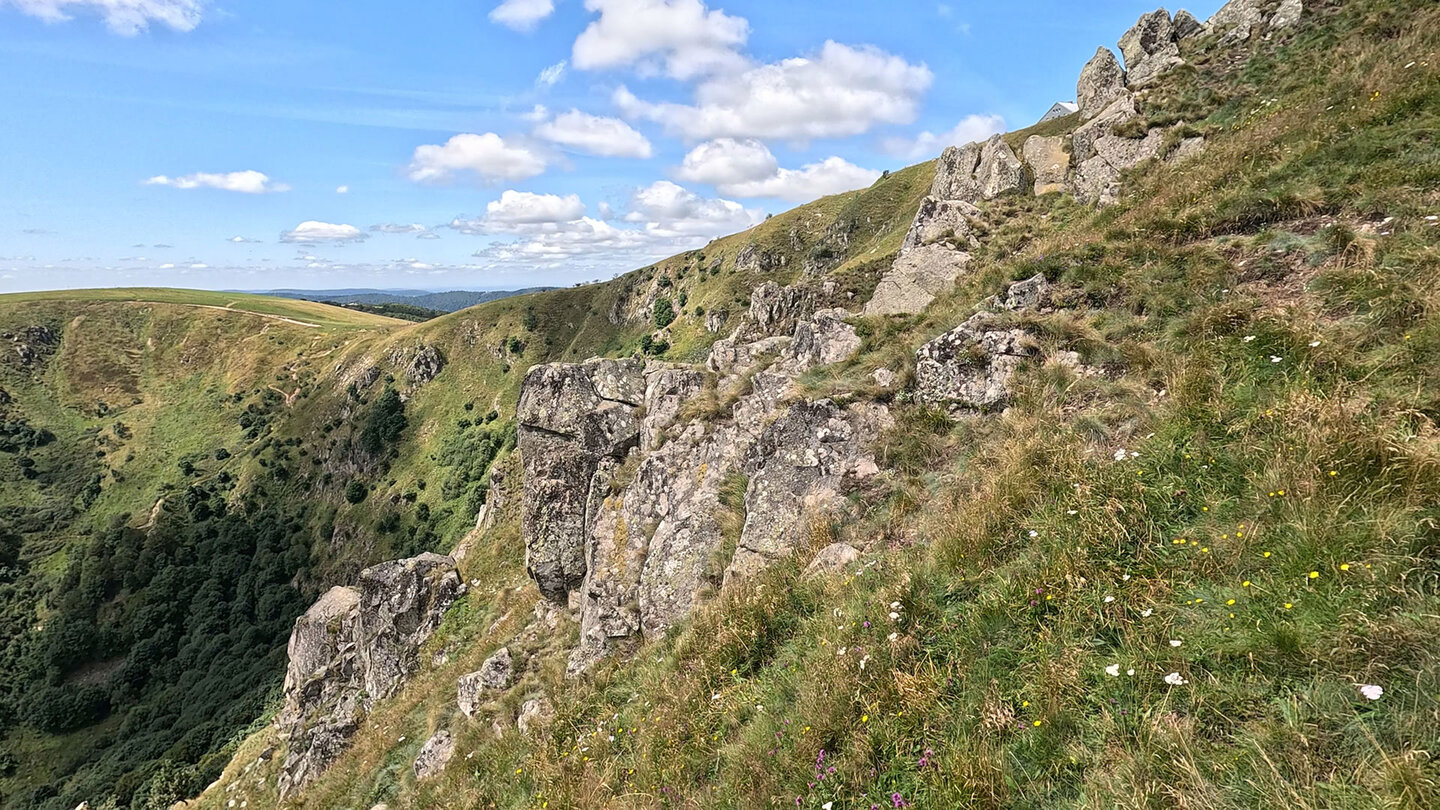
(524, 212)
(971, 129)
(125, 17)
(830, 176)
(683, 37)
(839, 92)
(522, 15)
(747, 168)
(668, 210)
(399, 228)
(312, 232)
(247, 182)
(489, 156)
(606, 137)
(728, 160)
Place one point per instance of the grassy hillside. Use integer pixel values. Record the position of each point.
(197, 467)
(1161, 581)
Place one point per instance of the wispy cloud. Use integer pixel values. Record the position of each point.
(246, 182)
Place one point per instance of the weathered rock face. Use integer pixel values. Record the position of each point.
(647, 516)
(1101, 156)
(973, 365)
(1102, 81)
(1186, 26)
(751, 259)
(916, 279)
(571, 417)
(976, 172)
(941, 220)
(533, 714)
(435, 755)
(33, 343)
(1149, 49)
(715, 321)
(401, 604)
(1049, 162)
(801, 465)
(352, 647)
(494, 675)
(1032, 293)
(999, 171)
(1241, 19)
(421, 363)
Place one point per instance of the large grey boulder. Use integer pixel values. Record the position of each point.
(972, 366)
(1153, 33)
(352, 647)
(494, 675)
(1082, 141)
(571, 417)
(941, 220)
(915, 280)
(1097, 180)
(1239, 20)
(999, 171)
(1102, 81)
(955, 174)
(832, 560)
(1287, 14)
(1049, 162)
(534, 713)
(435, 755)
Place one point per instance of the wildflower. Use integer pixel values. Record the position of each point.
(1120, 454)
(1314, 343)
(894, 617)
(1289, 605)
(1266, 555)
(1229, 601)
(1275, 359)
(1245, 584)
(1126, 577)
(1109, 599)
(1036, 723)
(1113, 670)
(1371, 691)
(1175, 679)
(1034, 533)
(1131, 673)
(898, 801)
(1175, 642)
(1249, 338)
(1314, 574)
(894, 636)
(894, 605)
(1145, 614)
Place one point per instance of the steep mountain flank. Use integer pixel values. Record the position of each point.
(1093, 464)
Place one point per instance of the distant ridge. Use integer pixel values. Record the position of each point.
(452, 301)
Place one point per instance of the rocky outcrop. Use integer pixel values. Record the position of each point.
(1150, 49)
(1049, 162)
(647, 517)
(352, 647)
(435, 755)
(802, 464)
(421, 363)
(976, 172)
(973, 365)
(33, 343)
(1186, 26)
(916, 279)
(752, 259)
(1239, 20)
(1101, 156)
(533, 714)
(1102, 81)
(572, 416)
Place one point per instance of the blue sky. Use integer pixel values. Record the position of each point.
(446, 144)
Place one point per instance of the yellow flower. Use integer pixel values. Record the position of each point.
(1332, 472)
(1289, 605)
(1229, 601)
(1314, 574)
(1267, 555)
(1344, 566)
(1024, 704)
(864, 718)
(1245, 584)
(1037, 724)
(1205, 550)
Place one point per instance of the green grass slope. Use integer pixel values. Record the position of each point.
(184, 471)
(1161, 582)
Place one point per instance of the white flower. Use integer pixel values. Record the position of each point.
(1120, 454)
(842, 650)
(1314, 343)
(715, 696)
(1175, 679)
(1034, 533)
(1146, 613)
(1113, 670)
(1134, 454)
(894, 636)
(894, 605)
(1130, 672)
(1372, 691)
(827, 806)
(1109, 599)
(1175, 642)
(1249, 338)
(864, 661)
(1275, 359)
(1072, 512)
(894, 617)
(1126, 577)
